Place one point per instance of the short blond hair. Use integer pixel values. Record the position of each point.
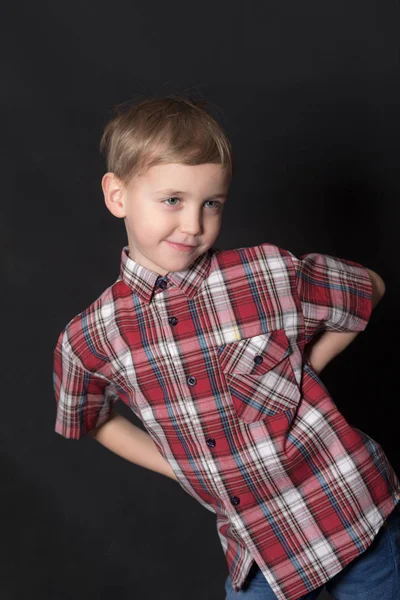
(158, 130)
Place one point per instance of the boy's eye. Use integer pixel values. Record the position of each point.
(173, 198)
(217, 204)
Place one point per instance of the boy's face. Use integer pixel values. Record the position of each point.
(169, 203)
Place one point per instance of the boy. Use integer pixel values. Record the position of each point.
(217, 353)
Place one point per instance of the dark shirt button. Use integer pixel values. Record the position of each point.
(235, 500)
(162, 283)
(210, 442)
(191, 380)
(172, 320)
(258, 359)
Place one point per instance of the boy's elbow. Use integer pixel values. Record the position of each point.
(380, 284)
(383, 286)
(378, 287)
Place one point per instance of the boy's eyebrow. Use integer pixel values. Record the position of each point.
(170, 191)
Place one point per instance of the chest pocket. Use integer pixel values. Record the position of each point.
(259, 375)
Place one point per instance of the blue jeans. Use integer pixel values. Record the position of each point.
(373, 575)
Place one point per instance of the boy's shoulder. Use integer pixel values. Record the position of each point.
(268, 247)
(263, 251)
(97, 307)
(88, 327)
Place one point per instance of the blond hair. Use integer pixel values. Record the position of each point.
(167, 129)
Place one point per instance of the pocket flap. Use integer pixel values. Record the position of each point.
(255, 355)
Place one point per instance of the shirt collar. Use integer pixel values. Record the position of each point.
(144, 282)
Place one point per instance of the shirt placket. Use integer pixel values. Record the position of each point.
(229, 500)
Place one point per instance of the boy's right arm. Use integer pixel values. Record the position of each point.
(127, 440)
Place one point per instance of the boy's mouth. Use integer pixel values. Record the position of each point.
(182, 247)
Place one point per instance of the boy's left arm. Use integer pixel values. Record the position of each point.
(321, 350)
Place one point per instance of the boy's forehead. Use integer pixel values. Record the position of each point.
(171, 167)
(177, 175)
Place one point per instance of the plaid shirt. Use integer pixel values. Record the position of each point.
(211, 360)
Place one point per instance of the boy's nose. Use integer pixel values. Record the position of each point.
(192, 223)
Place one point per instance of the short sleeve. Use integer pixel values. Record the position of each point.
(84, 399)
(335, 293)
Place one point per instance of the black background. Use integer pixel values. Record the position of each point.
(309, 96)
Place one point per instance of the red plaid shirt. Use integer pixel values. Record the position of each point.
(211, 360)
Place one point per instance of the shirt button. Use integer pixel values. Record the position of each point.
(210, 442)
(258, 359)
(191, 380)
(235, 500)
(172, 320)
(162, 282)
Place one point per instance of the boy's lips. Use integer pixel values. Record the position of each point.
(180, 246)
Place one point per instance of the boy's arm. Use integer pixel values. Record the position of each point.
(321, 350)
(127, 440)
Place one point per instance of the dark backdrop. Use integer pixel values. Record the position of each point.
(308, 94)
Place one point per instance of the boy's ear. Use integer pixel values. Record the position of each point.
(114, 194)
